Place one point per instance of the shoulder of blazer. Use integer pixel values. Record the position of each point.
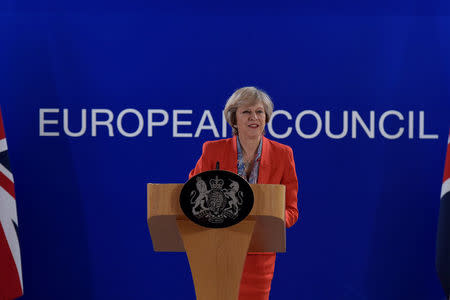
(276, 149)
(219, 144)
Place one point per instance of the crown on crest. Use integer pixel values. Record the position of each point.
(216, 183)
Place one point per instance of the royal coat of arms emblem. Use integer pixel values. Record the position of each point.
(216, 199)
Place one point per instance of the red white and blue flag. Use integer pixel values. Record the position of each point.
(11, 285)
(443, 236)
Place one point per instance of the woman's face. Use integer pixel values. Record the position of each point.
(250, 121)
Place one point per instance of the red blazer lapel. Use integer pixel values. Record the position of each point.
(230, 156)
(264, 164)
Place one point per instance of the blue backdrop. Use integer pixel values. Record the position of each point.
(368, 201)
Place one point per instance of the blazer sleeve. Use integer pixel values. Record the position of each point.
(291, 183)
(203, 164)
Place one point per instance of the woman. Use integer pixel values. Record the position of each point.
(258, 160)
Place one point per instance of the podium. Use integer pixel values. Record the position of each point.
(217, 255)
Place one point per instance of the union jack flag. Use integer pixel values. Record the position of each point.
(11, 285)
(443, 235)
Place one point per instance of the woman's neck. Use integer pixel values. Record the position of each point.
(249, 147)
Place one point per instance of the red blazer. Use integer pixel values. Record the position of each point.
(276, 167)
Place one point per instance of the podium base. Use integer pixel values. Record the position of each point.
(216, 257)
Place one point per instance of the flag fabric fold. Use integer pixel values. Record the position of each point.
(11, 284)
(443, 235)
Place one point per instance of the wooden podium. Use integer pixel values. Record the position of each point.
(217, 256)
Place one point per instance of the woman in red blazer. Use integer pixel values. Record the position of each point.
(259, 160)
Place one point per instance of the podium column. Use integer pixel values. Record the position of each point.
(216, 257)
